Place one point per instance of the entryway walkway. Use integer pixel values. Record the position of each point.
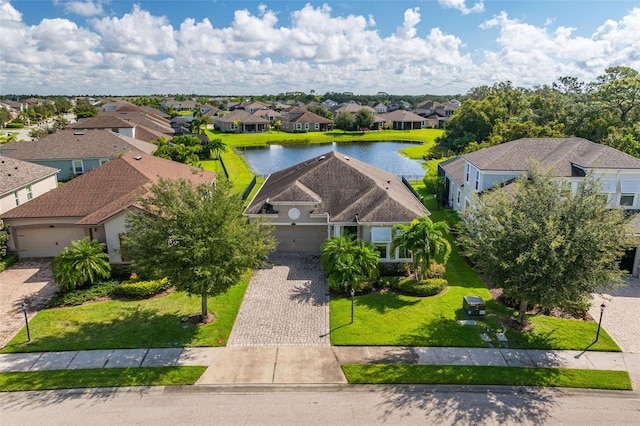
(285, 305)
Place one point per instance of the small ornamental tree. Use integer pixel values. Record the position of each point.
(4, 238)
(544, 246)
(196, 236)
(349, 262)
(81, 264)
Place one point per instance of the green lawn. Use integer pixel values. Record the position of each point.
(393, 319)
(277, 137)
(104, 377)
(500, 376)
(120, 324)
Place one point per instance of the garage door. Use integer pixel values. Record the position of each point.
(46, 242)
(296, 238)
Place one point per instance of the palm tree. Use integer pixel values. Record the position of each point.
(426, 241)
(348, 261)
(81, 264)
(216, 146)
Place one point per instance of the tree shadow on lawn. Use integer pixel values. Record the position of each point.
(133, 328)
(468, 405)
(382, 303)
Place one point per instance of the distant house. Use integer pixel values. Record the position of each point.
(267, 114)
(380, 108)
(333, 195)
(75, 152)
(252, 107)
(403, 120)
(21, 181)
(296, 119)
(143, 120)
(94, 205)
(108, 122)
(240, 121)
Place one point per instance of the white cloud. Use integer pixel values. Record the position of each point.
(137, 33)
(462, 6)
(139, 53)
(83, 8)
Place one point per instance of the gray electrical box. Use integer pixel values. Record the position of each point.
(474, 306)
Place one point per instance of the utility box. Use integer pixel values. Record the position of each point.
(474, 306)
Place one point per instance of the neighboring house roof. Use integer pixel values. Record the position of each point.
(343, 187)
(557, 154)
(307, 117)
(75, 144)
(102, 122)
(265, 113)
(108, 189)
(400, 115)
(140, 118)
(454, 168)
(15, 174)
(241, 116)
(353, 108)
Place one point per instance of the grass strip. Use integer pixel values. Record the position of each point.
(475, 375)
(103, 377)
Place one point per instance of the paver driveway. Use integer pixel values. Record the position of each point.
(30, 280)
(285, 305)
(621, 317)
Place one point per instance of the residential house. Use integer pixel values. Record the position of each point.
(21, 181)
(74, 152)
(240, 121)
(334, 195)
(107, 122)
(296, 119)
(94, 205)
(403, 120)
(570, 159)
(252, 107)
(150, 123)
(172, 104)
(380, 108)
(268, 114)
(329, 104)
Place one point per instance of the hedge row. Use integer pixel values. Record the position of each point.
(411, 287)
(8, 260)
(143, 289)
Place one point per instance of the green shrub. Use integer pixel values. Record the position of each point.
(411, 287)
(80, 296)
(436, 270)
(8, 260)
(143, 289)
(14, 125)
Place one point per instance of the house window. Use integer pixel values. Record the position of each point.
(458, 200)
(317, 126)
(103, 160)
(78, 167)
(306, 126)
(29, 192)
(627, 199)
(382, 250)
(350, 231)
(477, 179)
(467, 171)
(16, 198)
(466, 204)
(298, 126)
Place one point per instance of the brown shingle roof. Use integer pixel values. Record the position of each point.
(140, 118)
(343, 187)
(108, 189)
(242, 116)
(557, 154)
(401, 116)
(309, 117)
(102, 122)
(73, 144)
(16, 174)
(455, 168)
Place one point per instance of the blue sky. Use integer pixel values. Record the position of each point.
(76, 47)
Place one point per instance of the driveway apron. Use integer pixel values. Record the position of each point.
(285, 305)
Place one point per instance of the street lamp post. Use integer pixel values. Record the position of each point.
(26, 320)
(353, 293)
(600, 321)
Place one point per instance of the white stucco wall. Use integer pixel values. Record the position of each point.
(112, 229)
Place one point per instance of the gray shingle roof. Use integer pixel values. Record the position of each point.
(557, 154)
(344, 187)
(15, 174)
(74, 144)
(108, 189)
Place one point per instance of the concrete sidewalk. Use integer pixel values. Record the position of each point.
(313, 365)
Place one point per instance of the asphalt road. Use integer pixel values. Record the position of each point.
(322, 405)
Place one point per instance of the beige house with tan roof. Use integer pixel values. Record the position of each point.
(333, 195)
(93, 205)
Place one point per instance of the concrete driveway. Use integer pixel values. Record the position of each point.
(621, 317)
(29, 280)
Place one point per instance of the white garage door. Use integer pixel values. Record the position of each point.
(46, 242)
(296, 238)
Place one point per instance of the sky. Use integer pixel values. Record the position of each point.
(212, 47)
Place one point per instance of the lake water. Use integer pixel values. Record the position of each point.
(384, 155)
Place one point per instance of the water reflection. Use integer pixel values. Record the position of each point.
(385, 155)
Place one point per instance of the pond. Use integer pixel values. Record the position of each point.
(385, 155)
